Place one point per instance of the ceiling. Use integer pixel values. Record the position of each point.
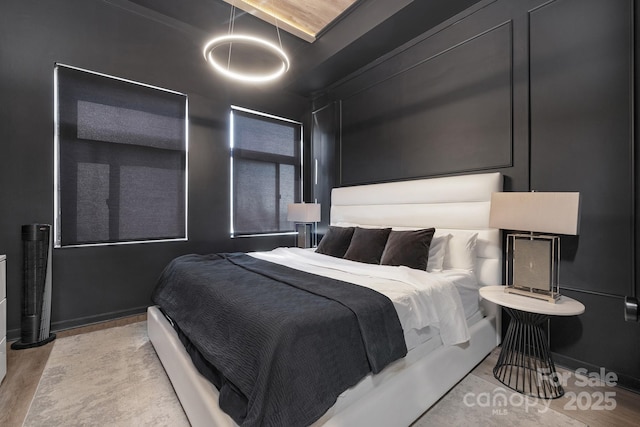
(365, 31)
(302, 18)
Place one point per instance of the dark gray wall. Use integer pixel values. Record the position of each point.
(581, 89)
(325, 137)
(541, 91)
(431, 115)
(92, 284)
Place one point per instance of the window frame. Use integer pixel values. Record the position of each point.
(57, 225)
(233, 234)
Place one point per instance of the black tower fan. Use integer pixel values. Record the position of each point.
(36, 287)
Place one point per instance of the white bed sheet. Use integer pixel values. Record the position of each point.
(468, 288)
(425, 302)
(467, 285)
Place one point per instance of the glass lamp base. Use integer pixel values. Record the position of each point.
(304, 235)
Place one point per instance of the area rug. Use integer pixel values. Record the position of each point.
(114, 378)
(105, 378)
(477, 402)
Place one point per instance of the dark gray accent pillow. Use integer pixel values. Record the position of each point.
(367, 245)
(409, 248)
(336, 241)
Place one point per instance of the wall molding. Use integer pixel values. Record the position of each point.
(436, 55)
(483, 94)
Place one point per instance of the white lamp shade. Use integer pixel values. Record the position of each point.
(543, 212)
(303, 212)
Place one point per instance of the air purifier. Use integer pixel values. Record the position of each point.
(36, 287)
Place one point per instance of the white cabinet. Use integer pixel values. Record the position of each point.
(3, 316)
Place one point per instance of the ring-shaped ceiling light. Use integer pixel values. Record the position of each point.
(248, 40)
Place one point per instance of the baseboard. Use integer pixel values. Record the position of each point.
(624, 381)
(13, 334)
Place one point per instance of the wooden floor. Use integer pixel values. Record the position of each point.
(25, 367)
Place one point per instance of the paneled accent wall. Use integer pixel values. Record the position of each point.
(581, 130)
(543, 91)
(448, 112)
(581, 86)
(325, 141)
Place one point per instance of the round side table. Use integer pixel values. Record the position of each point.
(525, 363)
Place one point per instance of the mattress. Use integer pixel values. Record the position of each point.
(428, 304)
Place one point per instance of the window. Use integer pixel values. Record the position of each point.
(266, 172)
(121, 160)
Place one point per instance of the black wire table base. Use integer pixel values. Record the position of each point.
(525, 364)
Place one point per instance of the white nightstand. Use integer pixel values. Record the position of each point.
(525, 363)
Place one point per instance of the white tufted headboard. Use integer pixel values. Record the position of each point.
(455, 204)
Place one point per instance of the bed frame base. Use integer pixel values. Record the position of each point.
(398, 401)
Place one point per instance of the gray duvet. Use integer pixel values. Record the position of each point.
(280, 344)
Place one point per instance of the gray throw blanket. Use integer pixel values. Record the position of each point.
(280, 344)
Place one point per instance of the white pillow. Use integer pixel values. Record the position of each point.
(437, 251)
(461, 253)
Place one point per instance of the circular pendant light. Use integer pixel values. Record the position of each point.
(251, 41)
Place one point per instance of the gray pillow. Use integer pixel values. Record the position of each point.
(367, 245)
(336, 241)
(408, 248)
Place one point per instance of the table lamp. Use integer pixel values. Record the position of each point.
(533, 258)
(304, 215)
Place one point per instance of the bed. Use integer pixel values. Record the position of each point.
(458, 207)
